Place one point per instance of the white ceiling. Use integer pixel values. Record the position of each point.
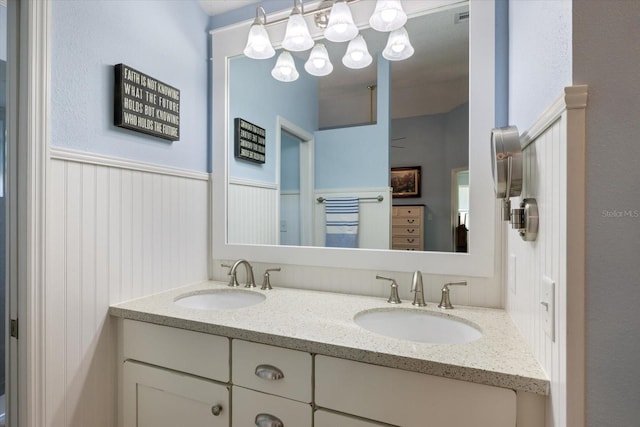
(216, 7)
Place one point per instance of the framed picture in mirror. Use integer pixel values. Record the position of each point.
(405, 181)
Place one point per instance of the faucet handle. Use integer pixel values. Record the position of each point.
(393, 297)
(233, 280)
(445, 301)
(418, 289)
(266, 284)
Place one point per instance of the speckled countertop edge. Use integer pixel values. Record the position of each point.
(322, 323)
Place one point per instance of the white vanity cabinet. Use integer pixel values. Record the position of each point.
(409, 399)
(172, 377)
(271, 385)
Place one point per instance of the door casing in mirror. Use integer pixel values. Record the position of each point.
(479, 261)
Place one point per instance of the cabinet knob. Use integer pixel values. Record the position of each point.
(268, 420)
(269, 372)
(216, 410)
(411, 221)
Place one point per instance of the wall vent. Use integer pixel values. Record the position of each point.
(461, 17)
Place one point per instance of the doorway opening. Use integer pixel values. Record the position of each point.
(295, 157)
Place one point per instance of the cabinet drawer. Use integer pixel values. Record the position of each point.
(407, 211)
(406, 231)
(406, 222)
(407, 241)
(248, 404)
(405, 398)
(253, 365)
(178, 349)
(328, 419)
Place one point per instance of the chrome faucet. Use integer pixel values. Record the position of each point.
(445, 301)
(393, 297)
(417, 289)
(233, 281)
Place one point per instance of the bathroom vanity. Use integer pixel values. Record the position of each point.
(297, 358)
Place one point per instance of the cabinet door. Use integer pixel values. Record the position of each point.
(156, 397)
(274, 410)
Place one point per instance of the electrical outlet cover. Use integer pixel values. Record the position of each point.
(548, 306)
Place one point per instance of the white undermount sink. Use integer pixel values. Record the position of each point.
(220, 299)
(417, 325)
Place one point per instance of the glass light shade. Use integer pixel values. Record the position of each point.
(388, 16)
(258, 43)
(318, 63)
(285, 69)
(297, 37)
(341, 27)
(357, 55)
(398, 46)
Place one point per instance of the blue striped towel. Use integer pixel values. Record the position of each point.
(342, 222)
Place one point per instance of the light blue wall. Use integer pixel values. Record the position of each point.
(257, 97)
(3, 33)
(248, 12)
(438, 143)
(358, 156)
(290, 163)
(539, 57)
(502, 63)
(165, 39)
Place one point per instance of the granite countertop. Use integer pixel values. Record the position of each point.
(322, 323)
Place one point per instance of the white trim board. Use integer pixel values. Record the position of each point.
(60, 153)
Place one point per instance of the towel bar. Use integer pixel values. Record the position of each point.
(379, 199)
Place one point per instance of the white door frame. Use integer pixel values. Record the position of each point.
(27, 142)
(307, 177)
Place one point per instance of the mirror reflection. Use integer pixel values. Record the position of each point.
(332, 140)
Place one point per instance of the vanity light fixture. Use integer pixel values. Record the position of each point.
(334, 16)
(258, 43)
(285, 69)
(388, 16)
(398, 46)
(318, 63)
(341, 27)
(357, 55)
(297, 37)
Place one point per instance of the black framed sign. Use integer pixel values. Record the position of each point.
(249, 141)
(144, 104)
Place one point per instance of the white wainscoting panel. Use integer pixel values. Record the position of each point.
(546, 161)
(374, 228)
(113, 233)
(252, 215)
(290, 218)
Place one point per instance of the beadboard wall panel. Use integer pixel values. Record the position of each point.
(252, 216)
(113, 233)
(549, 152)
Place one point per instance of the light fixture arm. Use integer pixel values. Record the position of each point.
(301, 8)
(320, 8)
(260, 12)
